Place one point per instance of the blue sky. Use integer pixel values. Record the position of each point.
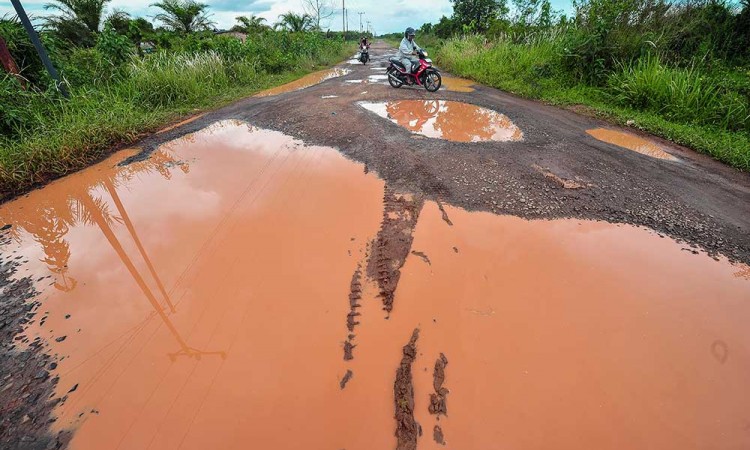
(386, 15)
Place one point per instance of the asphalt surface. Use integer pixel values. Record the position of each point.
(695, 199)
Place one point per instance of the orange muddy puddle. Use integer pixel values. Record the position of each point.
(456, 84)
(207, 292)
(631, 142)
(305, 82)
(453, 121)
(567, 334)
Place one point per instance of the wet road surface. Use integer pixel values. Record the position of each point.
(230, 283)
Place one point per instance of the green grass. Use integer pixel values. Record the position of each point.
(706, 110)
(60, 136)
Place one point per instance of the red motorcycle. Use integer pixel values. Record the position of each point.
(425, 75)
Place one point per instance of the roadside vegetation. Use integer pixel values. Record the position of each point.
(679, 69)
(128, 76)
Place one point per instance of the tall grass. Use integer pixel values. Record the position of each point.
(680, 94)
(50, 136)
(701, 106)
(523, 69)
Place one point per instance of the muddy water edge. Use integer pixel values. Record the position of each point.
(170, 303)
(449, 120)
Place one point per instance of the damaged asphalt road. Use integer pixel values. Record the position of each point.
(694, 199)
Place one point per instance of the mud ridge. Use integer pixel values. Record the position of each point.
(393, 242)
(443, 212)
(355, 295)
(422, 256)
(348, 376)
(437, 434)
(407, 428)
(26, 386)
(438, 398)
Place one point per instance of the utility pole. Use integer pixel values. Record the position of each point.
(343, 18)
(39, 47)
(360, 22)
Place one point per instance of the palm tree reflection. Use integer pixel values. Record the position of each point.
(71, 203)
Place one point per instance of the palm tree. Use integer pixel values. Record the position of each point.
(78, 21)
(183, 15)
(294, 22)
(89, 13)
(250, 25)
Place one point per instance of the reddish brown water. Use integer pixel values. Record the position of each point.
(304, 82)
(456, 84)
(631, 142)
(569, 335)
(454, 121)
(207, 289)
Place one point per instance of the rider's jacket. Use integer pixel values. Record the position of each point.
(406, 48)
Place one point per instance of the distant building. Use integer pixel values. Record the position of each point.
(147, 47)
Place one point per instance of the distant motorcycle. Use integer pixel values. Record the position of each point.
(364, 54)
(426, 75)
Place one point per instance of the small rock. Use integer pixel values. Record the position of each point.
(60, 339)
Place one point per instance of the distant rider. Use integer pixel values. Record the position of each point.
(408, 50)
(363, 44)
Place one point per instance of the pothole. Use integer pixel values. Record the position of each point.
(449, 120)
(564, 182)
(631, 142)
(305, 82)
(456, 84)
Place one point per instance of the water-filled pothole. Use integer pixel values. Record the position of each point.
(456, 84)
(218, 273)
(631, 142)
(306, 81)
(443, 119)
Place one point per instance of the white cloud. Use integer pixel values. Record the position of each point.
(386, 16)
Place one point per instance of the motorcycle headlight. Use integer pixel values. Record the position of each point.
(428, 60)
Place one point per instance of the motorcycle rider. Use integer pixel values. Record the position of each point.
(363, 43)
(407, 50)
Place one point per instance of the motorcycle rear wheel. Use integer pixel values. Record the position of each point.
(394, 83)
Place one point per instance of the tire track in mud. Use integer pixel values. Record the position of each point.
(438, 404)
(437, 399)
(384, 256)
(355, 295)
(393, 241)
(437, 435)
(407, 428)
